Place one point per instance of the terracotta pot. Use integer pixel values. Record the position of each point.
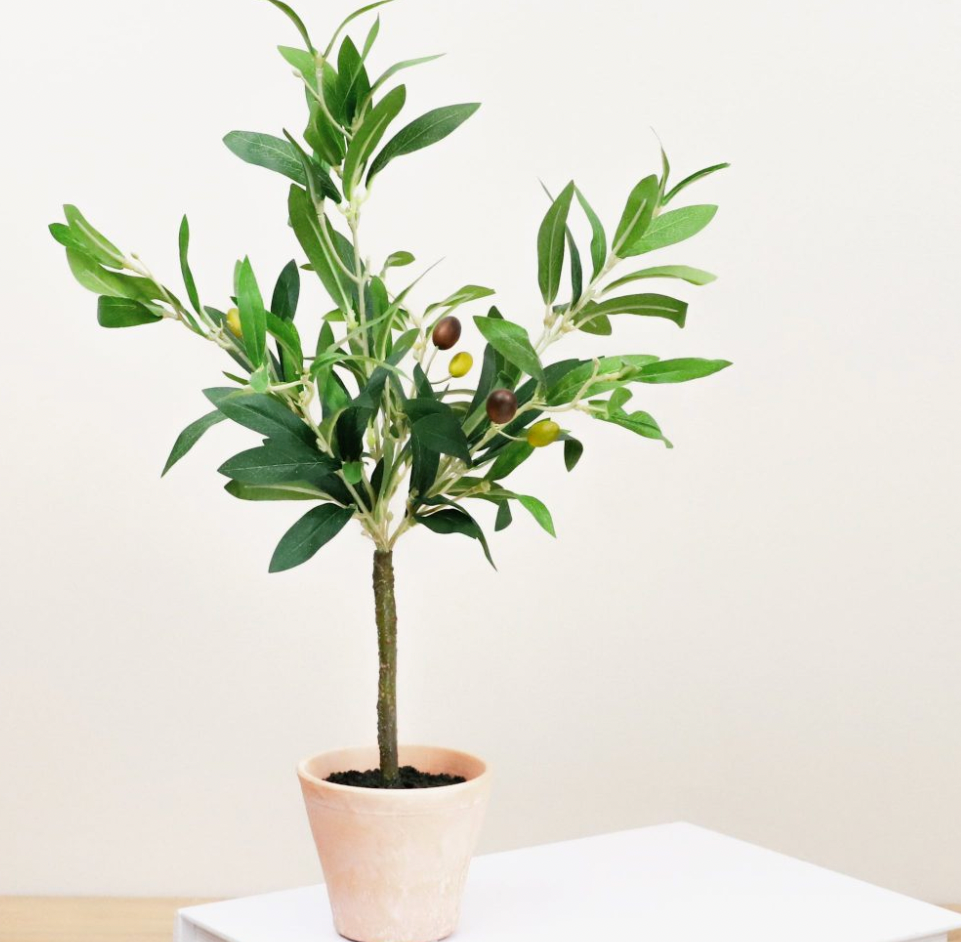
(395, 861)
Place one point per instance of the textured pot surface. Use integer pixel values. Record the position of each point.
(395, 862)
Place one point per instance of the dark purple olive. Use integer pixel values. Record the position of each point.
(501, 406)
(447, 333)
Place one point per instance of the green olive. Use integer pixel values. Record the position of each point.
(447, 333)
(543, 434)
(501, 406)
(233, 322)
(461, 365)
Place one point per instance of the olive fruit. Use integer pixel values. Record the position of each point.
(501, 406)
(461, 365)
(543, 434)
(447, 333)
(233, 322)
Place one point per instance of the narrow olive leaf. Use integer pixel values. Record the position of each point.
(371, 38)
(279, 462)
(353, 85)
(286, 294)
(296, 20)
(538, 511)
(512, 342)
(309, 535)
(550, 245)
(288, 339)
(318, 181)
(94, 243)
(463, 296)
(573, 452)
(504, 516)
(189, 282)
(94, 277)
(122, 312)
(426, 130)
(456, 520)
(350, 19)
(371, 133)
(672, 227)
(642, 305)
(577, 267)
(425, 463)
(598, 236)
(693, 178)
(638, 215)
(399, 67)
(599, 326)
(303, 62)
(399, 260)
(307, 227)
(265, 150)
(261, 414)
(680, 371)
(640, 423)
(509, 460)
(253, 316)
(693, 276)
(273, 492)
(665, 174)
(441, 432)
(190, 436)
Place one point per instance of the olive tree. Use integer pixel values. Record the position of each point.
(361, 424)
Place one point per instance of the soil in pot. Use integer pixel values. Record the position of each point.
(409, 778)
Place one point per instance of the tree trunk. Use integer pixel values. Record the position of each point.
(386, 608)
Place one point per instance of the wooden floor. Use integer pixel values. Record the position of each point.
(24, 919)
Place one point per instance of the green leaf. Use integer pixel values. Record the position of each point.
(185, 265)
(94, 277)
(89, 240)
(509, 460)
(371, 133)
(353, 85)
(265, 150)
(442, 432)
(371, 38)
(693, 178)
(253, 316)
(279, 462)
(573, 452)
(538, 511)
(608, 373)
(693, 276)
(671, 228)
(286, 294)
(292, 354)
(598, 236)
(399, 67)
(638, 214)
(190, 436)
(353, 16)
(550, 245)
(641, 423)
(577, 267)
(121, 312)
(641, 305)
(303, 62)
(321, 134)
(318, 181)
(426, 130)
(308, 535)
(456, 520)
(296, 20)
(464, 296)
(504, 516)
(425, 463)
(598, 326)
(681, 371)
(307, 227)
(512, 342)
(262, 414)
(399, 260)
(273, 492)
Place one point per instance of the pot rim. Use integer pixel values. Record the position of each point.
(396, 794)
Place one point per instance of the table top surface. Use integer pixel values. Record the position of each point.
(673, 883)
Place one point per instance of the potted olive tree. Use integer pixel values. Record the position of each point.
(380, 422)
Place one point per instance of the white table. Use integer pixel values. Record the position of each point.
(672, 883)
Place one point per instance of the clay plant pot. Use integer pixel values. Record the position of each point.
(395, 861)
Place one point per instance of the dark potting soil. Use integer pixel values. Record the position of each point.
(409, 778)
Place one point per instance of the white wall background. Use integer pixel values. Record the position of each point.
(757, 632)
